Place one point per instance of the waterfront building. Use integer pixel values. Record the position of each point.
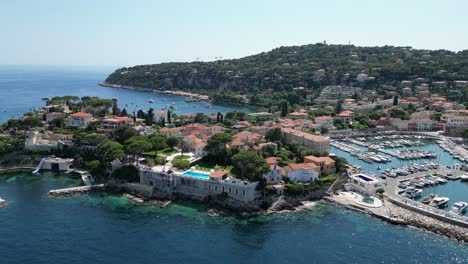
(57, 164)
(327, 164)
(79, 120)
(363, 184)
(317, 143)
(197, 185)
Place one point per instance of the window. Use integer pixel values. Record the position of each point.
(151, 183)
(216, 188)
(209, 186)
(223, 188)
(243, 192)
(229, 189)
(237, 191)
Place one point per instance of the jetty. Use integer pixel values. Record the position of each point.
(75, 190)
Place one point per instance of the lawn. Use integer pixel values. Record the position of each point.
(207, 166)
(182, 157)
(165, 152)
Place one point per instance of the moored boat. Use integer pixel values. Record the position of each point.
(439, 202)
(459, 208)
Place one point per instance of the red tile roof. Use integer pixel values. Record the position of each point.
(81, 114)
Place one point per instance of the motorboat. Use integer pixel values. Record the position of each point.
(464, 177)
(412, 192)
(441, 180)
(46, 98)
(439, 202)
(459, 208)
(150, 101)
(87, 179)
(428, 199)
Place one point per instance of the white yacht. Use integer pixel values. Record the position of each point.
(412, 192)
(439, 202)
(441, 180)
(459, 207)
(150, 101)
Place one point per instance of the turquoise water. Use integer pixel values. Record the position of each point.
(196, 174)
(22, 87)
(108, 229)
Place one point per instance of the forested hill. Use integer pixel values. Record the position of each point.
(309, 66)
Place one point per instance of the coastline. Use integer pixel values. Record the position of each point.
(400, 216)
(201, 97)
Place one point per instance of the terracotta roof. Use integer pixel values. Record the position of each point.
(81, 114)
(301, 166)
(219, 174)
(117, 119)
(346, 113)
(271, 160)
(326, 160)
(323, 118)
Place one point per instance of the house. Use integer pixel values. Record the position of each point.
(298, 115)
(53, 116)
(217, 129)
(110, 124)
(275, 175)
(166, 131)
(407, 91)
(197, 145)
(406, 83)
(57, 164)
(196, 129)
(317, 143)
(345, 116)
(246, 137)
(159, 115)
(303, 172)
(79, 120)
(242, 125)
(325, 121)
(46, 140)
(327, 164)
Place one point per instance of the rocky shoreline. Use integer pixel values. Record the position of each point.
(400, 216)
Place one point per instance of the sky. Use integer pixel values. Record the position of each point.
(126, 33)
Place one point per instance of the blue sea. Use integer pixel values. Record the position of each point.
(23, 87)
(35, 228)
(108, 229)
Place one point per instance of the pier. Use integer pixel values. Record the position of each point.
(75, 190)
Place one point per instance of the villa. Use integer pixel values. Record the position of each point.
(327, 164)
(303, 172)
(110, 124)
(79, 120)
(198, 185)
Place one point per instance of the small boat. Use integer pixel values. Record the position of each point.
(464, 177)
(459, 208)
(441, 180)
(379, 168)
(439, 202)
(150, 101)
(46, 98)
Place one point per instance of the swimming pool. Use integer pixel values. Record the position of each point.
(196, 174)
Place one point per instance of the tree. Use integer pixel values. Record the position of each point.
(395, 100)
(339, 107)
(158, 141)
(123, 112)
(172, 141)
(399, 113)
(141, 114)
(136, 148)
(284, 108)
(109, 151)
(200, 118)
(184, 146)
(274, 135)
(169, 113)
(121, 134)
(217, 147)
(249, 165)
(149, 119)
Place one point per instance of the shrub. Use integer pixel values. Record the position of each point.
(128, 173)
(160, 160)
(294, 188)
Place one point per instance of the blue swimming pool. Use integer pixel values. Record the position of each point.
(196, 175)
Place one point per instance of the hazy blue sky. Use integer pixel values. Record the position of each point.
(124, 33)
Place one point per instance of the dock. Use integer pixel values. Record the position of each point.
(75, 190)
